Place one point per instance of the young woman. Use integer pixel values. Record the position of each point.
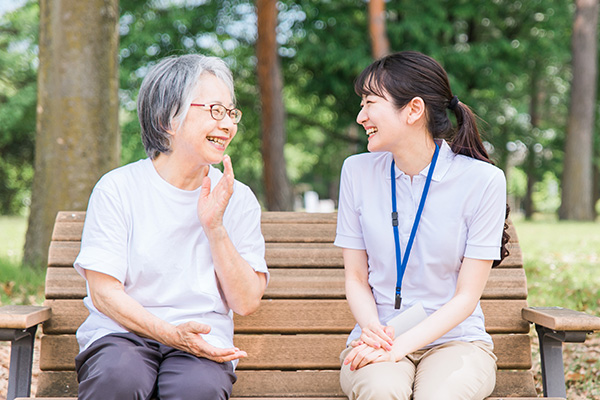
(420, 221)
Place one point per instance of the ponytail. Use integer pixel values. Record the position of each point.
(467, 141)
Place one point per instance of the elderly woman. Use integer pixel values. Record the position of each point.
(171, 247)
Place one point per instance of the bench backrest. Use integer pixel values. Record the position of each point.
(295, 338)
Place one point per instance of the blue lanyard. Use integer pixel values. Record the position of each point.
(401, 264)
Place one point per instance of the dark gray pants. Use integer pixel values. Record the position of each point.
(128, 367)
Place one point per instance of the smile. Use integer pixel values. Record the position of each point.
(216, 140)
(371, 131)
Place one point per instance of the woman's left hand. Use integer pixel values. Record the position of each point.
(212, 205)
(363, 355)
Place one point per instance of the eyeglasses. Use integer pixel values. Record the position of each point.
(218, 112)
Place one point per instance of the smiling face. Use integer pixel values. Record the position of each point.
(200, 138)
(382, 122)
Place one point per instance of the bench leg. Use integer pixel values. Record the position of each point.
(21, 363)
(553, 373)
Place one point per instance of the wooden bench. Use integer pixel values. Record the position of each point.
(295, 338)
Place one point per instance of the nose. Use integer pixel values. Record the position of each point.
(227, 125)
(362, 116)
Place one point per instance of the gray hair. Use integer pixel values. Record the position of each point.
(166, 94)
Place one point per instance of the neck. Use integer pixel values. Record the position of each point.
(414, 159)
(180, 174)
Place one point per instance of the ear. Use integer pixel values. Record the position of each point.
(416, 110)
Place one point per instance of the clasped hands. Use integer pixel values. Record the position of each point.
(375, 345)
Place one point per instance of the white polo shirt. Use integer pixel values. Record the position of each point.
(463, 217)
(146, 233)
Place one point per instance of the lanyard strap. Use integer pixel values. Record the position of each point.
(401, 263)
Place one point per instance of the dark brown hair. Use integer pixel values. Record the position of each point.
(400, 77)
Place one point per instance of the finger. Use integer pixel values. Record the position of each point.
(199, 328)
(227, 166)
(205, 190)
(389, 330)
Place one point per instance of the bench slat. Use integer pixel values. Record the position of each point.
(504, 283)
(300, 316)
(286, 352)
(508, 383)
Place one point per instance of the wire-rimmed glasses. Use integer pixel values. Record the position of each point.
(218, 112)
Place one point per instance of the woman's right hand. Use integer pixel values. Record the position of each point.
(189, 339)
(377, 336)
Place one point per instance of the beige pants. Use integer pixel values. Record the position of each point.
(451, 371)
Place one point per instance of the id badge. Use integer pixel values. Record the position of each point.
(407, 319)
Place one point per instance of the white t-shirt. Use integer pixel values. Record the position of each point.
(463, 217)
(146, 233)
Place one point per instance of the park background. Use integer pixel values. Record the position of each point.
(70, 71)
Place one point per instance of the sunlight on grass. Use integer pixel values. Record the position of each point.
(561, 260)
(18, 285)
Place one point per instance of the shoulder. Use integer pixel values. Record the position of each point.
(476, 170)
(123, 177)
(367, 162)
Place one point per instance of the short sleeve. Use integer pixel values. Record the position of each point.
(349, 231)
(486, 226)
(246, 232)
(104, 238)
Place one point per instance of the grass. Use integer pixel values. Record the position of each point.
(18, 285)
(561, 260)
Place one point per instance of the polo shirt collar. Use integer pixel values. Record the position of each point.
(442, 165)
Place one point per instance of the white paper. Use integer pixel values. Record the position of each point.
(407, 319)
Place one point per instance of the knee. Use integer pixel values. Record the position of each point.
(202, 386)
(376, 388)
(115, 383)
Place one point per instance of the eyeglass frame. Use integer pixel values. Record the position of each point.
(228, 111)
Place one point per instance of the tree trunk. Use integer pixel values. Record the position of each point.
(380, 45)
(277, 186)
(77, 137)
(530, 169)
(577, 175)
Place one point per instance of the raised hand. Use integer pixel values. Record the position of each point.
(212, 205)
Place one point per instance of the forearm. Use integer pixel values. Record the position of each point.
(361, 302)
(435, 326)
(131, 315)
(242, 286)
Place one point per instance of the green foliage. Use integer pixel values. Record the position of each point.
(18, 66)
(500, 55)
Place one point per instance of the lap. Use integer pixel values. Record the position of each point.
(457, 370)
(135, 367)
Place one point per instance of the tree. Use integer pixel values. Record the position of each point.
(379, 40)
(77, 136)
(577, 186)
(18, 58)
(278, 192)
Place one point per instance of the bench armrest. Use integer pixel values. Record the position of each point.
(19, 324)
(555, 326)
(23, 317)
(561, 319)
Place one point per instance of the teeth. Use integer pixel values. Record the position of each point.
(371, 131)
(216, 140)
